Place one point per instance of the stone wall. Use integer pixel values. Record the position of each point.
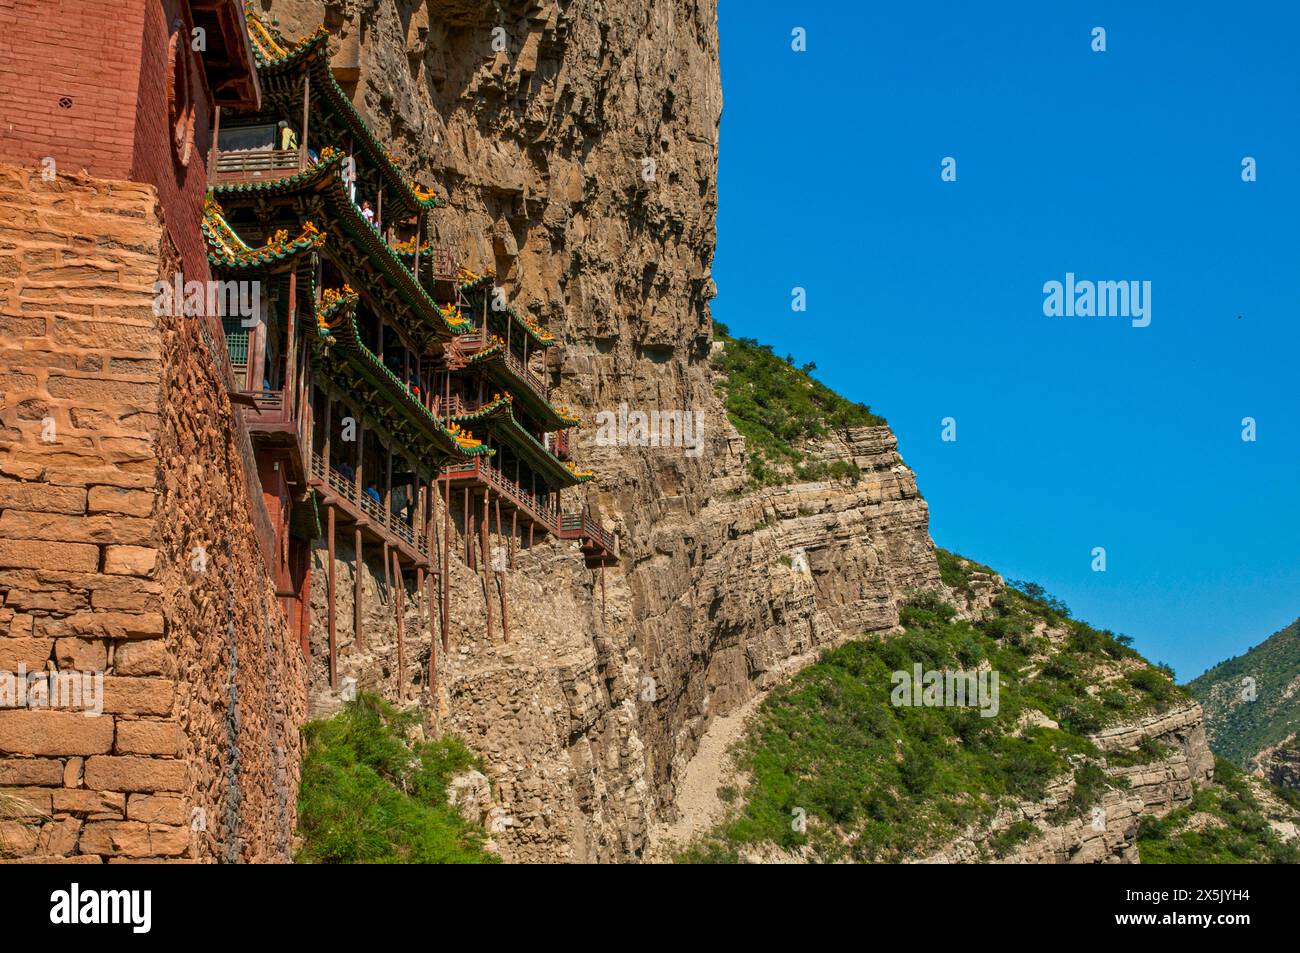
(127, 550)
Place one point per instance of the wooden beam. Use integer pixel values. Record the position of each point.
(446, 566)
(306, 98)
(399, 597)
(487, 563)
(334, 669)
(359, 561)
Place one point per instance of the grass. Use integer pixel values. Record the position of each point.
(1242, 834)
(779, 408)
(370, 795)
(879, 782)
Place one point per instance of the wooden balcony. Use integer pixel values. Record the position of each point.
(599, 545)
(256, 165)
(481, 473)
(337, 490)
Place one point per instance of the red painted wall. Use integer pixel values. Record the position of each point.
(108, 60)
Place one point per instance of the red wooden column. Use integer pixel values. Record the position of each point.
(358, 564)
(500, 576)
(399, 596)
(446, 566)
(334, 669)
(487, 562)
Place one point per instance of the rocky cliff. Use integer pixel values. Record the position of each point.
(576, 144)
(579, 164)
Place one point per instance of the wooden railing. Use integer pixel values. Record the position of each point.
(256, 165)
(340, 490)
(560, 444)
(542, 513)
(535, 382)
(578, 525)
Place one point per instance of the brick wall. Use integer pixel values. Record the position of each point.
(127, 548)
(87, 52)
(180, 187)
(109, 59)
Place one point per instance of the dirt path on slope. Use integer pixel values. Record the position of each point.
(712, 767)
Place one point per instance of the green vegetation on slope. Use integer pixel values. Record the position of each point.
(879, 782)
(778, 407)
(1223, 824)
(371, 795)
(1240, 728)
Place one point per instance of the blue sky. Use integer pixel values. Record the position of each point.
(925, 298)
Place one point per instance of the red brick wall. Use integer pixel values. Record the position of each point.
(88, 52)
(180, 187)
(111, 59)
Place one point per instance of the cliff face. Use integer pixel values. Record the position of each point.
(579, 164)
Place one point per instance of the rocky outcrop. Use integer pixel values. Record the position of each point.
(1106, 832)
(1280, 764)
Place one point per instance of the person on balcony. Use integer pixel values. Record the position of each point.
(288, 137)
(367, 212)
(346, 471)
(374, 495)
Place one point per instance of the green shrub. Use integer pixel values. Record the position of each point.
(778, 408)
(369, 795)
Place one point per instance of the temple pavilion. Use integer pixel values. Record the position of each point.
(381, 374)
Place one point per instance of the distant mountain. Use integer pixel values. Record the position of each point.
(1252, 702)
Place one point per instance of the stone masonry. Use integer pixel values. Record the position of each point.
(128, 549)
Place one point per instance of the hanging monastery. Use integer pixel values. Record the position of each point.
(179, 492)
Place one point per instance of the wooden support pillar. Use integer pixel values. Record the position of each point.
(334, 668)
(306, 114)
(500, 577)
(361, 456)
(399, 597)
(469, 531)
(514, 534)
(446, 565)
(433, 650)
(325, 444)
(358, 637)
(487, 563)
(216, 147)
(289, 384)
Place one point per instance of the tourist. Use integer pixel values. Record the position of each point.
(367, 212)
(345, 470)
(288, 137)
(374, 495)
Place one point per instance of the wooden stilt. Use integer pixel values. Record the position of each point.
(358, 562)
(487, 563)
(433, 648)
(469, 531)
(399, 598)
(334, 667)
(446, 566)
(514, 534)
